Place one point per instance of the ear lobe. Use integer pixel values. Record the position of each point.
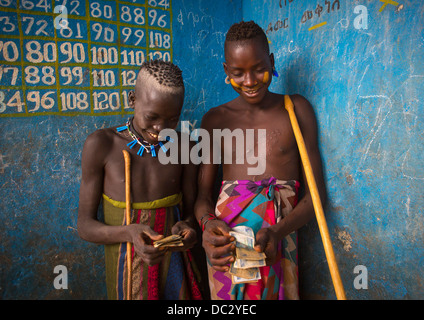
(225, 66)
(131, 99)
(271, 57)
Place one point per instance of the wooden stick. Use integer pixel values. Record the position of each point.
(127, 159)
(319, 212)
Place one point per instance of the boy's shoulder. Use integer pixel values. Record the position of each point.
(302, 106)
(102, 135)
(216, 111)
(102, 141)
(300, 101)
(215, 116)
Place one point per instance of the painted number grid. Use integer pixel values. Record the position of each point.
(77, 57)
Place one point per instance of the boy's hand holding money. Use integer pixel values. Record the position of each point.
(219, 245)
(141, 237)
(267, 242)
(187, 233)
(245, 268)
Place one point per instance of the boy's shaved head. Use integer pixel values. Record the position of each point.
(161, 75)
(244, 31)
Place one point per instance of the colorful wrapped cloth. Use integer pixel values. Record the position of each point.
(259, 205)
(175, 278)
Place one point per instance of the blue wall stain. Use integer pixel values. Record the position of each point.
(366, 89)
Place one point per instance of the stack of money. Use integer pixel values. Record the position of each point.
(171, 241)
(245, 268)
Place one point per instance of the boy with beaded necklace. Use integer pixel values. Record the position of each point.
(158, 192)
(267, 203)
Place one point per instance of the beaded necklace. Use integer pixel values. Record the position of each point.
(144, 145)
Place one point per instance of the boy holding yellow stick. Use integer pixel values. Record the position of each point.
(268, 202)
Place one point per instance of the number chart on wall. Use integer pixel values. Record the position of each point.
(72, 57)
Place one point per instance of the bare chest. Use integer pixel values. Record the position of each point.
(270, 133)
(258, 146)
(150, 179)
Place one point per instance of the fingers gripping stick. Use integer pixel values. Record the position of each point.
(319, 212)
(127, 159)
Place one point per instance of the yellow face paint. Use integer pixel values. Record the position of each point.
(264, 81)
(266, 77)
(234, 84)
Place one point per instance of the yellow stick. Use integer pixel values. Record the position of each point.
(319, 212)
(127, 159)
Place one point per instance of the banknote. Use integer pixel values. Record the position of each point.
(236, 279)
(245, 268)
(172, 237)
(244, 275)
(251, 273)
(247, 231)
(245, 264)
(174, 240)
(243, 240)
(249, 254)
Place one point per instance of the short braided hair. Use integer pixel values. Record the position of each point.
(163, 75)
(244, 31)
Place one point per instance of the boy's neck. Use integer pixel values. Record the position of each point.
(135, 131)
(265, 103)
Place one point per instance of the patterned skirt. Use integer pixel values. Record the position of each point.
(259, 205)
(175, 278)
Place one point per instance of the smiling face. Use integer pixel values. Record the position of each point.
(157, 100)
(156, 107)
(155, 110)
(249, 66)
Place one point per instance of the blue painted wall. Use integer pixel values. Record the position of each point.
(40, 153)
(366, 88)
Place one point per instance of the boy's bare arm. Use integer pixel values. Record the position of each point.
(216, 239)
(185, 227)
(189, 189)
(308, 125)
(304, 210)
(204, 203)
(207, 173)
(94, 152)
